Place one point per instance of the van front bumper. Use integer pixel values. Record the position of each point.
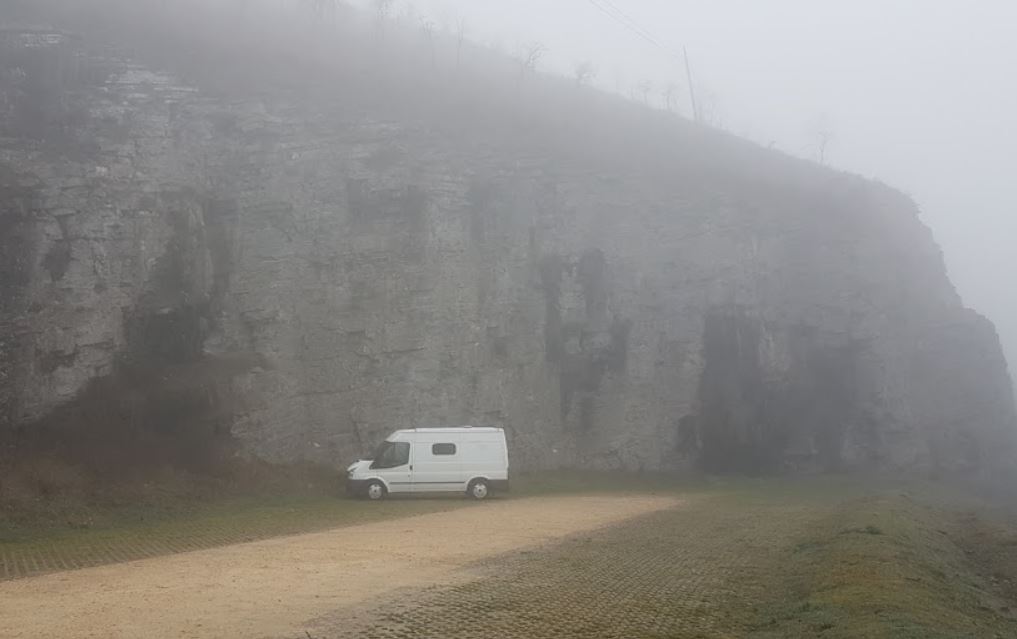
(355, 487)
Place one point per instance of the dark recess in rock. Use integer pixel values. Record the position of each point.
(731, 395)
(57, 260)
(754, 423)
(138, 419)
(17, 252)
(551, 271)
(591, 273)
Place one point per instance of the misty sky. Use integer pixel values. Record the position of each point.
(921, 94)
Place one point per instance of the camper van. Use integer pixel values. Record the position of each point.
(468, 460)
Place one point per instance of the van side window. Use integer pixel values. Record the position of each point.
(443, 449)
(392, 455)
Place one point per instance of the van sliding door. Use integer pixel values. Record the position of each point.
(437, 466)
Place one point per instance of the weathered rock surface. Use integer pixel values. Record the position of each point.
(293, 275)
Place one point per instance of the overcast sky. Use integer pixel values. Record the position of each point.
(921, 94)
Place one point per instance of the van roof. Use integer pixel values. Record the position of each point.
(453, 429)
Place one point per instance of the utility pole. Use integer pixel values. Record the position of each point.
(692, 88)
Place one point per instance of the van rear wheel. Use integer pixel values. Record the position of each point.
(375, 491)
(478, 489)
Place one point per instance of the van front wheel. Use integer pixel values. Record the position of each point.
(478, 489)
(375, 491)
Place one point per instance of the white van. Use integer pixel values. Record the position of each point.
(470, 460)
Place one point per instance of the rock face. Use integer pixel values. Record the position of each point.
(293, 275)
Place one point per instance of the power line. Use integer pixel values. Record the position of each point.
(613, 14)
(627, 18)
(611, 10)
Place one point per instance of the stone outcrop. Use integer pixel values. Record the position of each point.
(292, 275)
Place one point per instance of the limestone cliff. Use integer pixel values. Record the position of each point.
(198, 261)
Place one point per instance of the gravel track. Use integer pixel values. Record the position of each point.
(703, 571)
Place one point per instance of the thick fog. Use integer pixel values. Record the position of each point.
(920, 94)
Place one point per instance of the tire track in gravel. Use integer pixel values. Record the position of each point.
(702, 571)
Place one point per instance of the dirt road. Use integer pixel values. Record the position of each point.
(274, 588)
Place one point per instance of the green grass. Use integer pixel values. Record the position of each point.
(308, 501)
(137, 533)
(897, 563)
(64, 534)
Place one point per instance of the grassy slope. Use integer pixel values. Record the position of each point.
(897, 563)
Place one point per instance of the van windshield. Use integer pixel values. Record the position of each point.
(391, 455)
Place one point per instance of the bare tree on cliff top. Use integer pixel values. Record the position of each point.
(645, 88)
(460, 40)
(383, 8)
(531, 57)
(324, 8)
(584, 72)
(822, 135)
(427, 27)
(669, 95)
